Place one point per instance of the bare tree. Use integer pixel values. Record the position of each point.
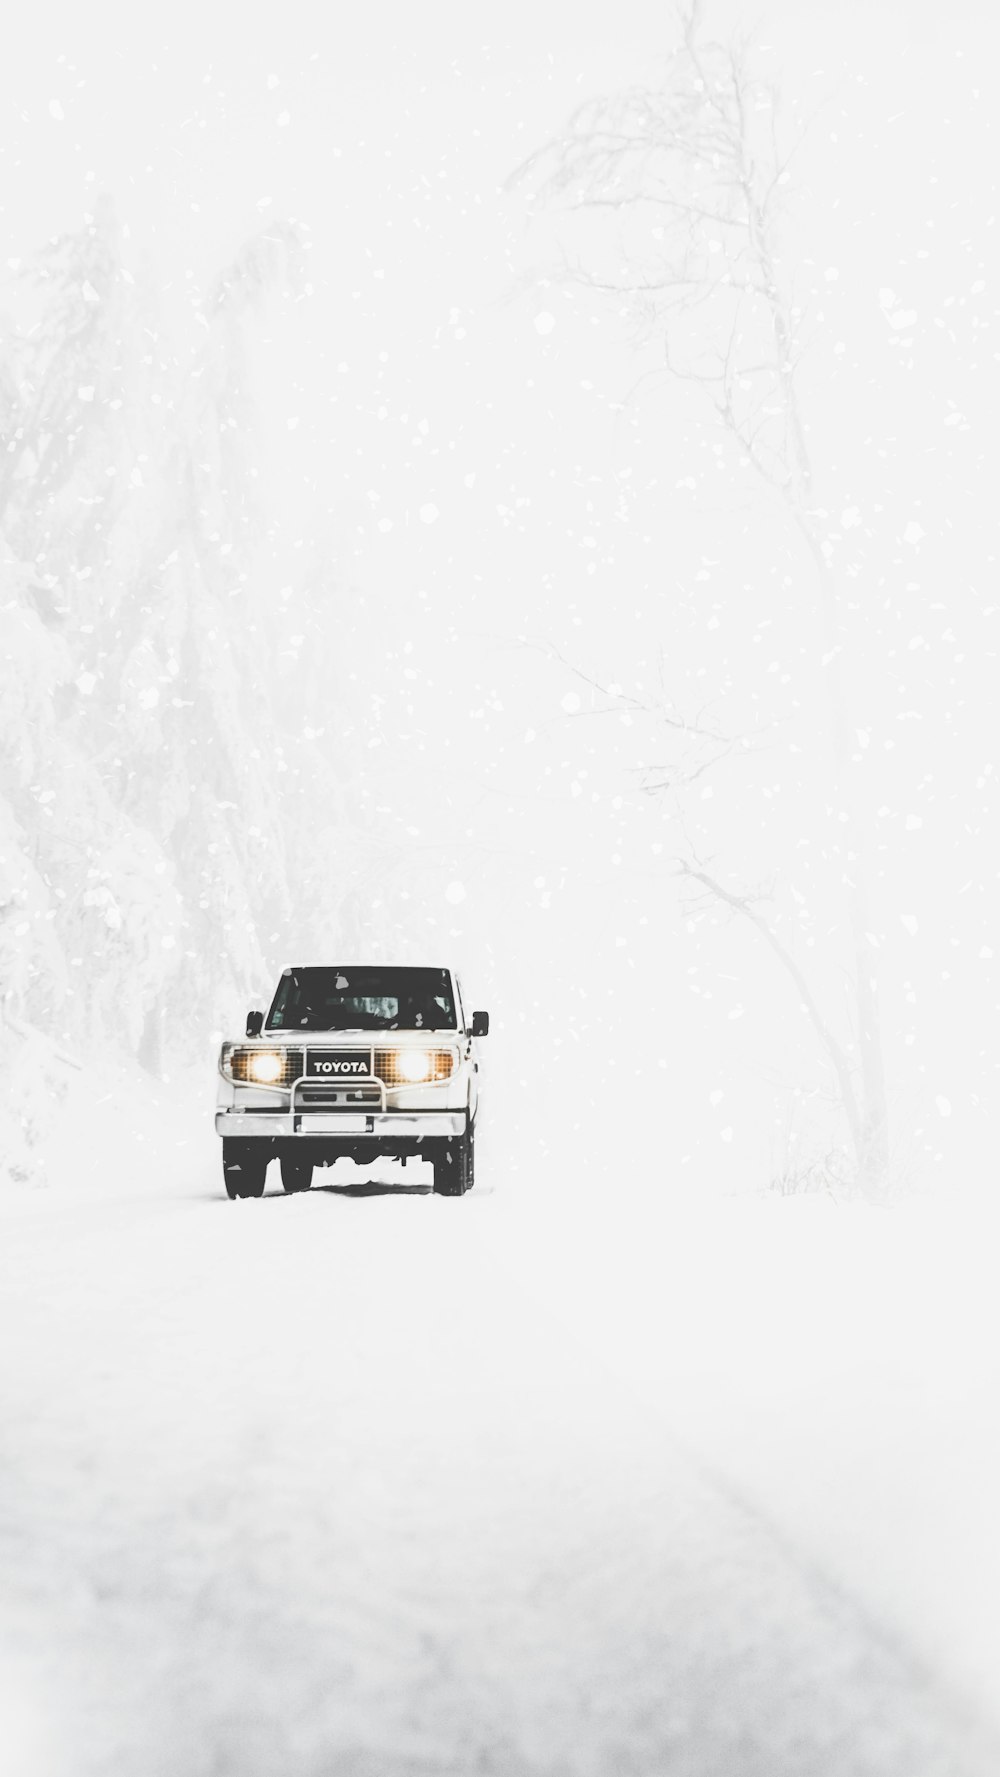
(691, 178)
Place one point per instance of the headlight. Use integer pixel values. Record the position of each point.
(261, 1067)
(414, 1064)
(414, 1067)
(265, 1066)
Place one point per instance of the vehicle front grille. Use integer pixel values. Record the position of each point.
(388, 1066)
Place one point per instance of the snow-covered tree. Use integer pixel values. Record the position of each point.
(147, 818)
(674, 194)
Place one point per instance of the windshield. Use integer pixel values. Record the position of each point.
(372, 998)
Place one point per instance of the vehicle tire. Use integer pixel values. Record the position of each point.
(296, 1174)
(244, 1168)
(454, 1165)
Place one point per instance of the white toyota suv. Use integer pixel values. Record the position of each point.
(359, 1060)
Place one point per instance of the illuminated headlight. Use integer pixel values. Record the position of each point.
(414, 1065)
(274, 1069)
(265, 1066)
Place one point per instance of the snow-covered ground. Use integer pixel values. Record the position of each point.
(560, 1478)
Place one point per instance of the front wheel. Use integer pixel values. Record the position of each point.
(296, 1174)
(244, 1168)
(454, 1165)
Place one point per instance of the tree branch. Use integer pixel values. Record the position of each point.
(743, 905)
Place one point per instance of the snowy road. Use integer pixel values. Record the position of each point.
(321, 1485)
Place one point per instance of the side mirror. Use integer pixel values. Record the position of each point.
(480, 1024)
(255, 1023)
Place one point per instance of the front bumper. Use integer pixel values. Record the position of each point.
(361, 1125)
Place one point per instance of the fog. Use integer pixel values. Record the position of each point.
(470, 493)
(516, 494)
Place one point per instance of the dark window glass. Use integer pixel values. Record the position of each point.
(371, 998)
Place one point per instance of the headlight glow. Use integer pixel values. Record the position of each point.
(264, 1066)
(274, 1069)
(415, 1064)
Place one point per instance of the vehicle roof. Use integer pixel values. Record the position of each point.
(370, 963)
